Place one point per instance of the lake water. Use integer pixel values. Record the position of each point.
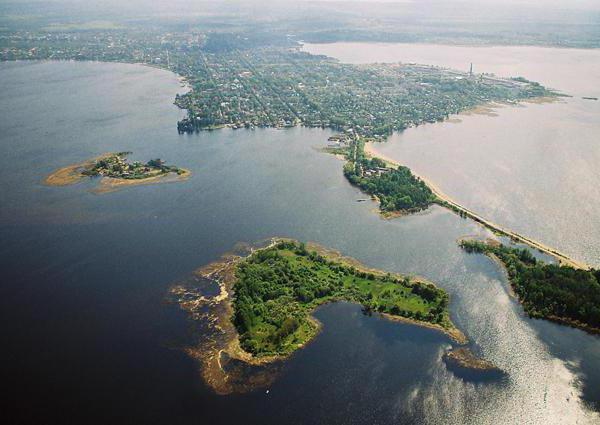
(89, 338)
(532, 168)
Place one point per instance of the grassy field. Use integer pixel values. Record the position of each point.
(279, 287)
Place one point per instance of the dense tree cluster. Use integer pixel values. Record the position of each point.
(548, 290)
(117, 166)
(397, 189)
(277, 288)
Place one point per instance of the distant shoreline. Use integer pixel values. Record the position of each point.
(481, 45)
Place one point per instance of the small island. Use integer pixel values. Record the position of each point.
(117, 172)
(559, 293)
(263, 310)
(462, 362)
(464, 357)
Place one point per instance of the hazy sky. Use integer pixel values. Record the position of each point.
(556, 10)
(546, 3)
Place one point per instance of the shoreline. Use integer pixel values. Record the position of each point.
(70, 174)
(482, 45)
(223, 342)
(226, 343)
(111, 184)
(183, 80)
(453, 333)
(449, 203)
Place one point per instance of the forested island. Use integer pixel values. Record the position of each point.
(263, 310)
(279, 287)
(116, 171)
(562, 294)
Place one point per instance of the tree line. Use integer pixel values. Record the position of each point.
(547, 290)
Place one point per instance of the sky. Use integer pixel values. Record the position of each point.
(481, 10)
(592, 4)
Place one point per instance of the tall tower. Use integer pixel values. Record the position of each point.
(471, 70)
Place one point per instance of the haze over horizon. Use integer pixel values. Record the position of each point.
(196, 5)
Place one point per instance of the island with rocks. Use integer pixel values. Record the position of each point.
(466, 365)
(116, 172)
(262, 312)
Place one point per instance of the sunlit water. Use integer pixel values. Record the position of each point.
(90, 339)
(532, 168)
